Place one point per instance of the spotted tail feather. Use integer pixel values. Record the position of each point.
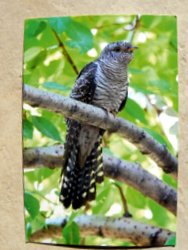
(79, 183)
(93, 171)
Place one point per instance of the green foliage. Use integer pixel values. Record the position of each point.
(104, 199)
(152, 104)
(46, 127)
(28, 231)
(31, 204)
(27, 129)
(134, 110)
(71, 231)
(171, 241)
(71, 234)
(79, 35)
(55, 86)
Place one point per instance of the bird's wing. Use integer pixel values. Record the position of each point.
(122, 105)
(83, 91)
(78, 184)
(84, 88)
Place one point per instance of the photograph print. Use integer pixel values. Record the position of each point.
(100, 123)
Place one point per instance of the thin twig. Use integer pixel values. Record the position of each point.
(65, 52)
(43, 197)
(124, 201)
(135, 25)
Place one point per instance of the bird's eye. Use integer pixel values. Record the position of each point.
(117, 49)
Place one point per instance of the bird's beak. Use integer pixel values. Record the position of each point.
(133, 48)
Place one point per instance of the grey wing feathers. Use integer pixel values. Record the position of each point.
(82, 165)
(84, 88)
(122, 105)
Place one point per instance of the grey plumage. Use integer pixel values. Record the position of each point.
(102, 83)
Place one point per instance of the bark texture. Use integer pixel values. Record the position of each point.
(95, 116)
(122, 228)
(130, 173)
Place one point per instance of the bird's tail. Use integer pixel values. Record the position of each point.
(79, 182)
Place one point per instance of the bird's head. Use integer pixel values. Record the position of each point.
(119, 52)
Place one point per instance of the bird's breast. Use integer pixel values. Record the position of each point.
(110, 93)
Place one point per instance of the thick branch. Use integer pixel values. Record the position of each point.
(130, 173)
(99, 118)
(122, 228)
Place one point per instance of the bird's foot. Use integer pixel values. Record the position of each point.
(109, 112)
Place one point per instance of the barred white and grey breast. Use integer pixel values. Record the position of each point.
(111, 86)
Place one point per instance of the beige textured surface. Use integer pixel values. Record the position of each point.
(12, 16)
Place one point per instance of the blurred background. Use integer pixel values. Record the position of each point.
(152, 105)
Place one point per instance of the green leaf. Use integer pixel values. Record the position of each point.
(104, 201)
(71, 233)
(72, 217)
(46, 127)
(157, 136)
(135, 71)
(170, 180)
(42, 174)
(161, 85)
(171, 241)
(38, 223)
(160, 138)
(60, 24)
(31, 204)
(160, 215)
(28, 231)
(142, 89)
(34, 27)
(138, 201)
(133, 109)
(150, 22)
(27, 129)
(56, 86)
(80, 36)
(31, 53)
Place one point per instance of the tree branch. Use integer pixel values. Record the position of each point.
(122, 228)
(127, 172)
(99, 118)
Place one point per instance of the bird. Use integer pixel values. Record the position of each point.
(102, 83)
